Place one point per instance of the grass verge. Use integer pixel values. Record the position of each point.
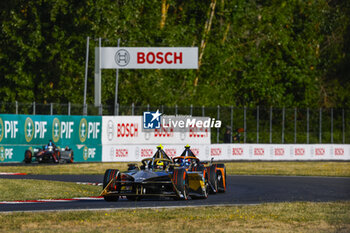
(272, 217)
(233, 168)
(13, 189)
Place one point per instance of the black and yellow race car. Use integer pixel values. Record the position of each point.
(216, 172)
(157, 176)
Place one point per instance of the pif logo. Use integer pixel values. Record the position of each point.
(83, 130)
(29, 129)
(2, 154)
(56, 126)
(1, 129)
(86, 153)
(237, 151)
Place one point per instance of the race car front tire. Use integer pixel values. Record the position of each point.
(221, 178)
(180, 179)
(213, 179)
(28, 156)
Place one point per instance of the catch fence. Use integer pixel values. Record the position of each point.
(261, 124)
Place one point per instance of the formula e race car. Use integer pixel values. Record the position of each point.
(49, 154)
(157, 176)
(216, 172)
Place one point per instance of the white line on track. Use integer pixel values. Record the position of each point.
(133, 208)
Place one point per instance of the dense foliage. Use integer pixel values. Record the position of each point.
(280, 53)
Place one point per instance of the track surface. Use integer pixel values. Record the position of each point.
(241, 190)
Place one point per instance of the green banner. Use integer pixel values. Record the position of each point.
(21, 132)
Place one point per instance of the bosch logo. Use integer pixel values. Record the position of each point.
(164, 132)
(339, 151)
(159, 58)
(320, 151)
(146, 153)
(299, 151)
(121, 153)
(170, 152)
(279, 151)
(127, 130)
(198, 132)
(259, 151)
(195, 151)
(237, 151)
(110, 130)
(215, 151)
(122, 57)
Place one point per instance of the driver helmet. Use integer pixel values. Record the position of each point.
(160, 164)
(187, 162)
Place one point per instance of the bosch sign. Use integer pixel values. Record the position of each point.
(148, 58)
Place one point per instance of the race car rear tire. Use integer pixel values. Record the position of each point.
(108, 176)
(28, 156)
(213, 179)
(221, 178)
(180, 179)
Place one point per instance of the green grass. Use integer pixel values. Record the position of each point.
(273, 217)
(233, 168)
(13, 189)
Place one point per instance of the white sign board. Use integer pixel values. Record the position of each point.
(233, 152)
(148, 58)
(128, 130)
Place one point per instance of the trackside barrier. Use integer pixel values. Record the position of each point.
(231, 152)
(19, 133)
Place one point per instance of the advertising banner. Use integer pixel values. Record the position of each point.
(21, 132)
(148, 57)
(233, 152)
(128, 130)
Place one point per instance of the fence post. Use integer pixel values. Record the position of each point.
(295, 125)
(283, 122)
(343, 120)
(51, 109)
(68, 108)
(85, 109)
(245, 124)
(203, 111)
(147, 107)
(270, 124)
(162, 109)
(307, 125)
(34, 108)
(218, 129)
(257, 124)
(132, 109)
(175, 109)
(17, 108)
(331, 125)
(100, 109)
(191, 110)
(231, 123)
(320, 129)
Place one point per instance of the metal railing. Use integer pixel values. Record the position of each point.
(261, 124)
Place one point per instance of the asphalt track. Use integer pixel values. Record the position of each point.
(241, 190)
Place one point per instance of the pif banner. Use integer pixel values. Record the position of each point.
(21, 132)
